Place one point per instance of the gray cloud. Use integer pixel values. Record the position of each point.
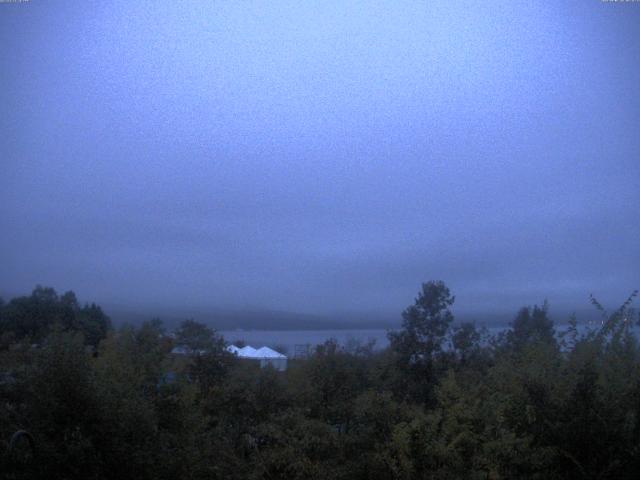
(320, 159)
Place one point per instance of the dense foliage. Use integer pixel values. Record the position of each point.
(443, 401)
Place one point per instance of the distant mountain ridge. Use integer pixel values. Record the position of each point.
(227, 319)
(265, 319)
(255, 319)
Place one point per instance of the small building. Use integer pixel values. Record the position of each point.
(182, 350)
(265, 355)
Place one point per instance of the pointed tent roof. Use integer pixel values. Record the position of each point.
(266, 352)
(250, 352)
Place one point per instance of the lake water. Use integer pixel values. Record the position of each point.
(286, 340)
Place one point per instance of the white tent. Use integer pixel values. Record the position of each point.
(266, 352)
(265, 355)
(247, 352)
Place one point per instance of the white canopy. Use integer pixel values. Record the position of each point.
(250, 352)
(266, 352)
(266, 356)
(247, 352)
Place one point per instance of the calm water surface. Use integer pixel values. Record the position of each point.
(285, 341)
(288, 339)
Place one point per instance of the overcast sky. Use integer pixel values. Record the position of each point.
(320, 157)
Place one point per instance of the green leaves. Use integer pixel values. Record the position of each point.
(32, 318)
(521, 407)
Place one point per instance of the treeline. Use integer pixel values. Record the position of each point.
(443, 401)
(31, 318)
